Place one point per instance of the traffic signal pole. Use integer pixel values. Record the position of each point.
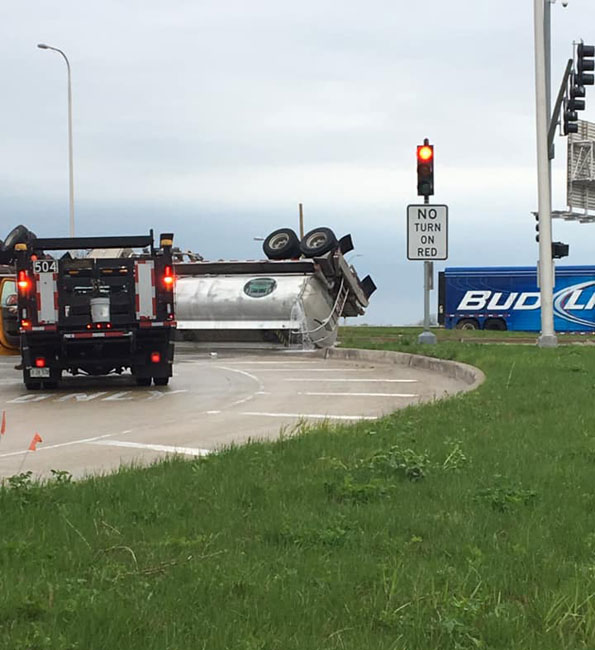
(427, 336)
(547, 337)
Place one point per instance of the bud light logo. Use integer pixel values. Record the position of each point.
(576, 298)
(575, 303)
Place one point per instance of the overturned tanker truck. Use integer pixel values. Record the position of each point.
(294, 298)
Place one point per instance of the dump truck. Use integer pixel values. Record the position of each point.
(97, 313)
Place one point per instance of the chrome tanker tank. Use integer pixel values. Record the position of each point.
(295, 302)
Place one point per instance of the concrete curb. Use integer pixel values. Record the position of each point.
(470, 375)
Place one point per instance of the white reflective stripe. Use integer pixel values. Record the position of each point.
(46, 288)
(145, 289)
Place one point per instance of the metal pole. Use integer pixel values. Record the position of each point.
(301, 222)
(70, 153)
(547, 337)
(427, 336)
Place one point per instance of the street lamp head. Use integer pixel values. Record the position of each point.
(43, 46)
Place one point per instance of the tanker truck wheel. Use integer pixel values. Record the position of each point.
(318, 242)
(281, 244)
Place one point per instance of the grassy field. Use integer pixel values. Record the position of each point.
(467, 523)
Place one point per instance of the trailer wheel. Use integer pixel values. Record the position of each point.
(495, 324)
(318, 242)
(161, 381)
(467, 324)
(282, 244)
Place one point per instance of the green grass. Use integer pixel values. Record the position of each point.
(363, 335)
(467, 523)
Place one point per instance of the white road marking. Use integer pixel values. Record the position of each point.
(81, 397)
(158, 394)
(28, 398)
(313, 415)
(242, 400)
(188, 451)
(213, 412)
(44, 447)
(241, 372)
(315, 369)
(394, 381)
(118, 397)
(275, 363)
(123, 396)
(362, 394)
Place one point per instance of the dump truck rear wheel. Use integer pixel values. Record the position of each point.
(318, 242)
(281, 244)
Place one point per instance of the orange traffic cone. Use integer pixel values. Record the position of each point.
(36, 439)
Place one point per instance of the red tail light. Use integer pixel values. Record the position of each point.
(155, 357)
(40, 362)
(168, 277)
(26, 324)
(24, 283)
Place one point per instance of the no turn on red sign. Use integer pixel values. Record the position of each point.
(427, 232)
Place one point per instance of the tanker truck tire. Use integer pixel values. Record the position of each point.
(282, 244)
(318, 242)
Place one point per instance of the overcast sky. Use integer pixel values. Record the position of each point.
(214, 119)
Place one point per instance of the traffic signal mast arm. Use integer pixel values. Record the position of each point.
(556, 112)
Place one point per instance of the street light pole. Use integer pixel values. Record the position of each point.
(547, 337)
(43, 46)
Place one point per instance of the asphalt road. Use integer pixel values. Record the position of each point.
(92, 425)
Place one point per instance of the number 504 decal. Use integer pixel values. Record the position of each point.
(45, 266)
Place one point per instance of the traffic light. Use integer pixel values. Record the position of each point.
(559, 250)
(585, 63)
(570, 120)
(536, 226)
(425, 169)
(582, 76)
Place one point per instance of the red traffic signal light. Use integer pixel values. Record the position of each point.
(425, 152)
